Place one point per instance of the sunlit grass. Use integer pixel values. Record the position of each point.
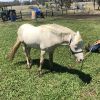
(66, 82)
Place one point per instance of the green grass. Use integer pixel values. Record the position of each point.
(64, 83)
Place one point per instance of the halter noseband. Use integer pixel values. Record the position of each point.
(73, 52)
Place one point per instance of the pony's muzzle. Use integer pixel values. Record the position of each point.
(79, 60)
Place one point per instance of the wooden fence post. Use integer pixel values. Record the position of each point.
(52, 14)
(46, 13)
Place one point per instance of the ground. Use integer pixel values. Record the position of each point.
(67, 81)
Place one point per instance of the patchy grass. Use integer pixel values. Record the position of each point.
(65, 82)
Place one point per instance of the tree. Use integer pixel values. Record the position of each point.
(26, 2)
(16, 2)
(94, 3)
(98, 1)
(41, 1)
(61, 3)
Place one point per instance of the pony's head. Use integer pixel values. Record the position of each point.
(76, 46)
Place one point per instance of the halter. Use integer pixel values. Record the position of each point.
(73, 52)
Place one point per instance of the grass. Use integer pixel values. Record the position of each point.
(65, 82)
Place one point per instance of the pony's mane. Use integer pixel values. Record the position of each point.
(62, 30)
(58, 29)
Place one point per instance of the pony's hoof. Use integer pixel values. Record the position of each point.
(29, 65)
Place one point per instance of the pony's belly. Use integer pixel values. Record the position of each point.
(31, 41)
(36, 46)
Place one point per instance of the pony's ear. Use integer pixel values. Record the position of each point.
(78, 33)
(77, 37)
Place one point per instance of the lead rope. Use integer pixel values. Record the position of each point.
(82, 63)
(86, 55)
(70, 57)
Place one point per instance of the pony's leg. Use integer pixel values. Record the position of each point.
(51, 59)
(41, 60)
(27, 54)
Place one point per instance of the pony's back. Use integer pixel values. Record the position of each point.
(57, 29)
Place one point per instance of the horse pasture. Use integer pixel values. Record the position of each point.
(67, 81)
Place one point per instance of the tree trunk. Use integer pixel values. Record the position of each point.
(94, 4)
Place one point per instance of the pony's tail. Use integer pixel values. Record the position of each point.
(13, 50)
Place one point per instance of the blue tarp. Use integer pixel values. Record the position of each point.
(37, 10)
(94, 48)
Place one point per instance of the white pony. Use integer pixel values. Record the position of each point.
(46, 38)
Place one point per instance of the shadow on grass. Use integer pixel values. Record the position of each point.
(86, 78)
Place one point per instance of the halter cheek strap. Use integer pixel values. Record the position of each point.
(73, 52)
(70, 41)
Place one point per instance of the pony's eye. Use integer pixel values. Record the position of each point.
(76, 48)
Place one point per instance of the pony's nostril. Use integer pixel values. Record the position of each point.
(81, 60)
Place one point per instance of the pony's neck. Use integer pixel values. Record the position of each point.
(67, 38)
